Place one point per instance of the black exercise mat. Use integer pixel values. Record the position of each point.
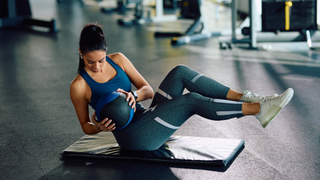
(178, 149)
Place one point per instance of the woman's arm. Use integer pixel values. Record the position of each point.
(80, 103)
(78, 96)
(144, 90)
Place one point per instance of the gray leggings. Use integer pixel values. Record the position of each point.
(170, 108)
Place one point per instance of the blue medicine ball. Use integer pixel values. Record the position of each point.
(115, 107)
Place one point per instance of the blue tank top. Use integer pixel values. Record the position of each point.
(121, 81)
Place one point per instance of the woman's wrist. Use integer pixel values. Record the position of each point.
(135, 95)
(96, 128)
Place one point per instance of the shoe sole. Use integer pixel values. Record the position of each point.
(274, 109)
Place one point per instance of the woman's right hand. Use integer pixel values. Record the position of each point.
(105, 125)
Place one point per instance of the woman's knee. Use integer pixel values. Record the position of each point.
(180, 70)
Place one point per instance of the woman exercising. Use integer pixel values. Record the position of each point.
(99, 73)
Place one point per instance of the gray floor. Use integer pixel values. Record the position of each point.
(37, 119)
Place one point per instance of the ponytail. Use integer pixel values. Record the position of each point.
(91, 39)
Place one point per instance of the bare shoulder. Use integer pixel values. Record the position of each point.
(78, 85)
(120, 59)
(77, 81)
(117, 56)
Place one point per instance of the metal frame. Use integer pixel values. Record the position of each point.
(160, 17)
(190, 35)
(256, 37)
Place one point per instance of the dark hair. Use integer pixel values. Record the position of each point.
(91, 39)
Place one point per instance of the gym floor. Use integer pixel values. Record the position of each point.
(38, 121)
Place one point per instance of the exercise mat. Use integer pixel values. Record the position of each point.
(177, 149)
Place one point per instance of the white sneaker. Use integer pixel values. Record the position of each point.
(270, 107)
(252, 97)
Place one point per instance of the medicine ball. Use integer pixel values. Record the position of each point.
(115, 107)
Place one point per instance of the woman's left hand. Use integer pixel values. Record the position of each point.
(130, 98)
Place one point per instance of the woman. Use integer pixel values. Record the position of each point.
(99, 73)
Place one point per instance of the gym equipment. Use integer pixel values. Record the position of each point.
(121, 7)
(115, 107)
(138, 14)
(288, 21)
(288, 15)
(178, 149)
(192, 9)
(139, 17)
(15, 13)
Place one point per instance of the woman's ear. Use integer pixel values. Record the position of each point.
(81, 56)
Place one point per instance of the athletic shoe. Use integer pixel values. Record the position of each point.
(252, 97)
(270, 107)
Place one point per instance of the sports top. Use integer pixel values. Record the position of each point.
(121, 81)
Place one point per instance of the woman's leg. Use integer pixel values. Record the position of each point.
(157, 124)
(170, 109)
(183, 77)
(234, 95)
(250, 108)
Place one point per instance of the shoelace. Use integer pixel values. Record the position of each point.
(250, 94)
(266, 100)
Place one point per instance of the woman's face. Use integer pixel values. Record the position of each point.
(95, 60)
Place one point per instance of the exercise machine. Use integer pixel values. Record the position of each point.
(140, 18)
(191, 9)
(121, 7)
(138, 14)
(198, 30)
(281, 21)
(17, 13)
